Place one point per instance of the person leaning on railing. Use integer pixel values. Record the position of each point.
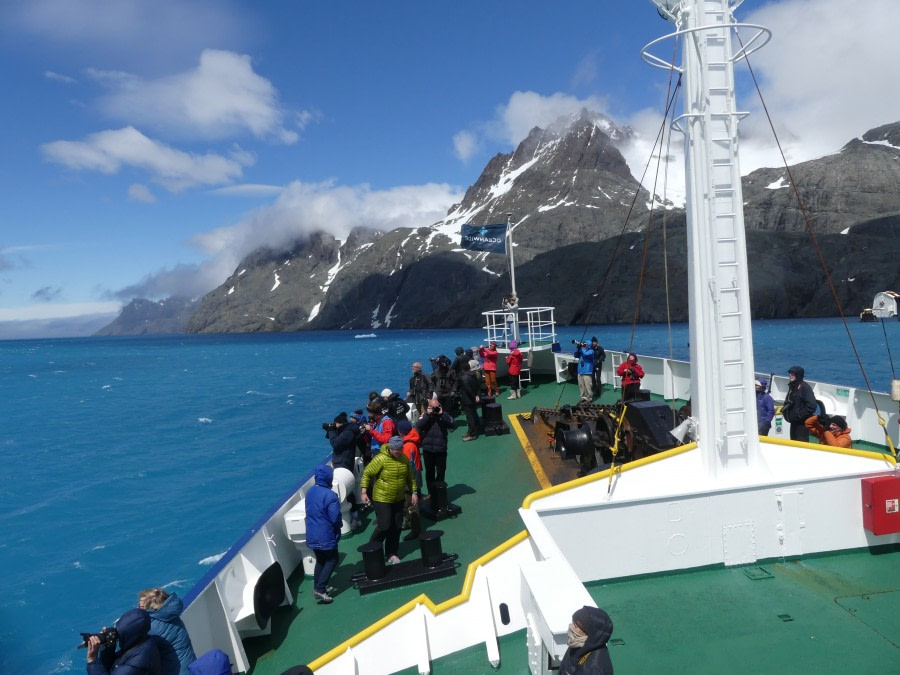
(830, 430)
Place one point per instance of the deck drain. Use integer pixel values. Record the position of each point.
(616, 642)
(757, 573)
(785, 617)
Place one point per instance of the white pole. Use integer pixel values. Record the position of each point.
(512, 262)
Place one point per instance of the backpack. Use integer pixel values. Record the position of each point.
(213, 662)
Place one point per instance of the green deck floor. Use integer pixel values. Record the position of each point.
(830, 614)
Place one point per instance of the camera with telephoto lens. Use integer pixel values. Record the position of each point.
(579, 344)
(329, 426)
(108, 638)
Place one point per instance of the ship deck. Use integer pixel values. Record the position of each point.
(774, 617)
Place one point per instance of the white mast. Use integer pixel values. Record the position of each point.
(722, 372)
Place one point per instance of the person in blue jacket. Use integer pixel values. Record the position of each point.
(138, 652)
(175, 648)
(584, 352)
(323, 531)
(765, 408)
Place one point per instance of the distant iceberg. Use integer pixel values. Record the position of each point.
(367, 335)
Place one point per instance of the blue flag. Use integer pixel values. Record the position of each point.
(490, 238)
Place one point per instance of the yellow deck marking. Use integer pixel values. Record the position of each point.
(529, 452)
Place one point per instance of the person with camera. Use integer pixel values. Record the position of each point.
(390, 477)
(445, 384)
(344, 435)
(489, 354)
(631, 373)
(584, 352)
(434, 427)
(380, 427)
(176, 652)
(138, 652)
(799, 404)
(830, 430)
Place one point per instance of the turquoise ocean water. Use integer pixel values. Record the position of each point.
(137, 462)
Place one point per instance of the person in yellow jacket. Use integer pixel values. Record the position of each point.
(390, 477)
(830, 430)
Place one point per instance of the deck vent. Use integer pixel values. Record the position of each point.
(757, 573)
(504, 614)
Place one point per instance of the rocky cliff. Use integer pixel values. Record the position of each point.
(580, 217)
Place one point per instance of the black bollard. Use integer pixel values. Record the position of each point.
(438, 492)
(373, 560)
(430, 546)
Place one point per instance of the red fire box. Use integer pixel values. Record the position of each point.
(881, 504)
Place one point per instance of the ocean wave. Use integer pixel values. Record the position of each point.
(205, 420)
(213, 559)
(366, 335)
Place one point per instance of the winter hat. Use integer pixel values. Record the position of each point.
(840, 421)
(594, 339)
(513, 344)
(474, 365)
(459, 350)
(395, 442)
(590, 619)
(404, 427)
(341, 418)
(385, 393)
(760, 383)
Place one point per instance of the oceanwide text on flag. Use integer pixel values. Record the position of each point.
(490, 238)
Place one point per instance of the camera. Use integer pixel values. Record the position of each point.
(436, 410)
(579, 344)
(329, 426)
(108, 638)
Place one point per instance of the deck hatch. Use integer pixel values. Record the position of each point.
(757, 573)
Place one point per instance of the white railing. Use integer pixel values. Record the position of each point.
(533, 327)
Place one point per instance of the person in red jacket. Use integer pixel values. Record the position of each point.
(411, 441)
(514, 368)
(489, 354)
(631, 373)
(831, 430)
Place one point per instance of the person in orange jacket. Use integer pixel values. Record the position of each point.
(830, 430)
(411, 441)
(514, 369)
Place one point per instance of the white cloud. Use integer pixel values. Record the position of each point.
(465, 144)
(248, 190)
(300, 210)
(59, 77)
(141, 193)
(222, 97)
(527, 109)
(110, 151)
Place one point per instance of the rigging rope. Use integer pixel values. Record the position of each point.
(818, 250)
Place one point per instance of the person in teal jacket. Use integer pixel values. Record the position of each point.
(175, 649)
(386, 481)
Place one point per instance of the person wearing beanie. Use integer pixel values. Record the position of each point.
(830, 430)
(469, 390)
(390, 478)
(631, 373)
(599, 358)
(588, 653)
(799, 404)
(514, 369)
(765, 407)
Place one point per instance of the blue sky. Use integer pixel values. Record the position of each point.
(149, 144)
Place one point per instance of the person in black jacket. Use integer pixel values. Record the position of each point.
(434, 427)
(588, 654)
(469, 389)
(445, 384)
(799, 404)
(138, 651)
(419, 388)
(344, 437)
